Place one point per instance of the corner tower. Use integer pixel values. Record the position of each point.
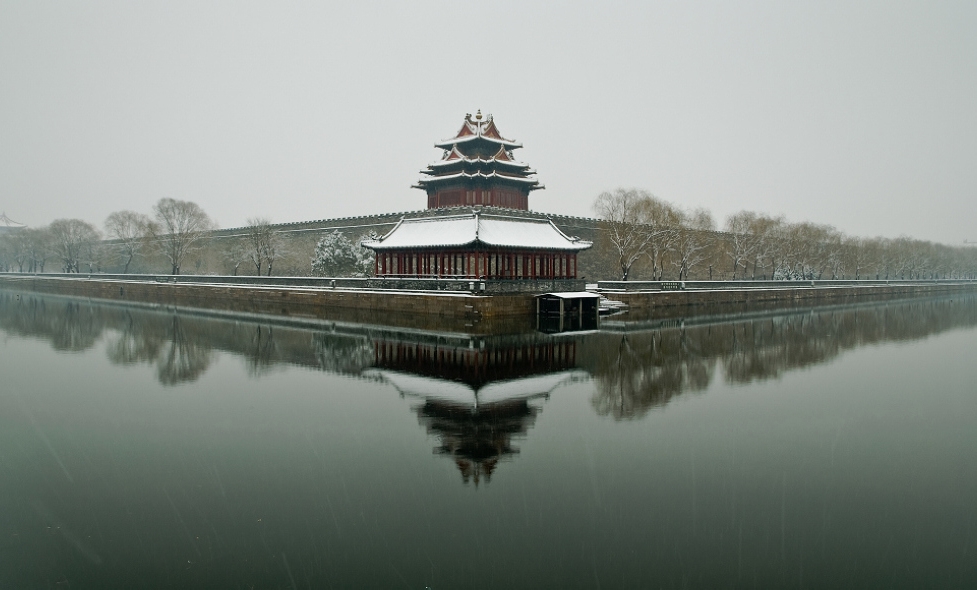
(478, 169)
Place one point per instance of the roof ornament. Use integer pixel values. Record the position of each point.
(478, 115)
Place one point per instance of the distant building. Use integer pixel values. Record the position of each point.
(478, 170)
(8, 225)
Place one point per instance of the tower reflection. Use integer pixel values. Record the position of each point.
(476, 396)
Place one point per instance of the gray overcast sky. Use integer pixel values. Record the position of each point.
(857, 114)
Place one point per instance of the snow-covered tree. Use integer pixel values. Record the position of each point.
(71, 240)
(264, 244)
(130, 229)
(336, 256)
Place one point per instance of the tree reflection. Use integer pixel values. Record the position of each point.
(639, 370)
(183, 357)
(136, 342)
(636, 367)
(69, 326)
(343, 354)
(645, 370)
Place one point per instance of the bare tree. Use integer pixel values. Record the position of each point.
(665, 222)
(264, 244)
(763, 230)
(742, 241)
(179, 226)
(71, 239)
(17, 250)
(233, 254)
(130, 229)
(695, 235)
(626, 215)
(855, 255)
(8, 251)
(36, 243)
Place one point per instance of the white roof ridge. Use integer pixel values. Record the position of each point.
(456, 140)
(465, 158)
(438, 217)
(392, 230)
(478, 173)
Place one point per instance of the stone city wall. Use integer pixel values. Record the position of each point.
(221, 251)
(459, 311)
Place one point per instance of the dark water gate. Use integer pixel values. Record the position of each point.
(559, 312)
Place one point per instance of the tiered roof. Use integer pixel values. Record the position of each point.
(477, 228)
(478, 152)
(7, 224)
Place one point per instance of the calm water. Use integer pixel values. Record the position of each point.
(824, 448)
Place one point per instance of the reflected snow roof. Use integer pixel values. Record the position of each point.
(476, 228)
(457, 392)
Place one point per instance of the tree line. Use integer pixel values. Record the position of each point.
(173, 233)
(638, 236)
(642, 231)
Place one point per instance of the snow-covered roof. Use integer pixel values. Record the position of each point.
(572, 295)
(477, 228)
(9, 223)
(477, 128)
(448, 143)
(477, 160)
(492, 174)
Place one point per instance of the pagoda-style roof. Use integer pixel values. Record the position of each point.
(493, 175)
(7, 224)
(478, 130)
(454, 158)
(474, 229)
(478, 156)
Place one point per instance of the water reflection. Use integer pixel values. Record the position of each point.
(636, 367)
(308, 480)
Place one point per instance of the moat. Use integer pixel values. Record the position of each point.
(813, 447)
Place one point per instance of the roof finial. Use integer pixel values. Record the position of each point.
(478, 115)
